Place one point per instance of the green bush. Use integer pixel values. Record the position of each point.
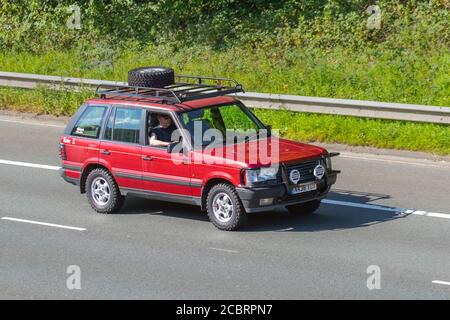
(312, 48)
(37, 25)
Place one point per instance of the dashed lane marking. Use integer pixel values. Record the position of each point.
(43, 224)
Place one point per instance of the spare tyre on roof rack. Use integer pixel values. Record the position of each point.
(152, 77)
(160, 83)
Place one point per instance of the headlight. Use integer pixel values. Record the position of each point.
(253, 176)
(328, 163)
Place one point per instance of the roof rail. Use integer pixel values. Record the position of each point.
(185, 88)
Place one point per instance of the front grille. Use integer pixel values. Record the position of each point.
(306, 170)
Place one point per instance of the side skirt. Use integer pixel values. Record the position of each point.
(162, 196)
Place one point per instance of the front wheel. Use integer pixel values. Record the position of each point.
(224, 208)
(304, 208)
(102, 191)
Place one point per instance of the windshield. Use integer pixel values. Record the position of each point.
(228, 124)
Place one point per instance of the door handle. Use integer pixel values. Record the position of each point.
(106, 152)
(147, 158)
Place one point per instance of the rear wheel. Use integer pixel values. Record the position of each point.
(102, 191)
(224, 208)
(304, 208)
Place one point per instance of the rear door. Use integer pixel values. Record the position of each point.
(120, 149)
(81, 140)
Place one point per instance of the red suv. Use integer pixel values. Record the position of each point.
(160, 137)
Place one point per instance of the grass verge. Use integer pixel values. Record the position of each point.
(293, 125)
(407, 76)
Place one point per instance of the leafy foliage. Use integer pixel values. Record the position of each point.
(36, 24)
(312, 48)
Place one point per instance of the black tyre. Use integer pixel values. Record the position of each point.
(224, 208)
(102, 191)
(154, 77)
(304, 208)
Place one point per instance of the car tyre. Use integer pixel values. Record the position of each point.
(304, 208)
(152, 77)
(224, 208)
(102, 192)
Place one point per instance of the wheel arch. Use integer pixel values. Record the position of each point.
(208, 185)
(86, 170)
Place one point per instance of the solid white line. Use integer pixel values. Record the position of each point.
(224, 250)
(285, 229)
(389, 209)
(428, 214)
(27, 164)
(33, 123)
(362, 205)
(445, 283)
(43, 224)
(328, 201)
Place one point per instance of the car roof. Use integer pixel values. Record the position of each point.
(156, 104)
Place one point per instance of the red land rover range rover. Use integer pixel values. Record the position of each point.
(183, 139)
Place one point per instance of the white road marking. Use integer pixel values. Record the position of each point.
(362, 205)
(328, 201)
(33, 123)
(224, 250)
(428, 214)
(43, 224)
(445, 283)
(285, 229)
(389, 209)
(27, 164)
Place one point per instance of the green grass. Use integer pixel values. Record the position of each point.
(408, 77)
(311, 48)
(378, 133)
(292, 125)
(42, 101)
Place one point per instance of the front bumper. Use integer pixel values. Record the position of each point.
(250, 197)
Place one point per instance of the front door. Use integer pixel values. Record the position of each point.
(164, 172)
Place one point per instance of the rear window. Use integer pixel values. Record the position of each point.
(89, 124)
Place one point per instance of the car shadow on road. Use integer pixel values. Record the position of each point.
(327, 217)
(136, 205)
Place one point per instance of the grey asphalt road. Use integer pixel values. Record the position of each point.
(157, 250)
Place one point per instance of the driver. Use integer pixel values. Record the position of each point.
(161, 135)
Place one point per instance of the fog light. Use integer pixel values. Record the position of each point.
(265, 201)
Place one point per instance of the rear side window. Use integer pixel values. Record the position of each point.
(124, 125)
(89, 124)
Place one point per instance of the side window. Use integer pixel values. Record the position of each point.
(89, 124)
(162, 127)
(127, 125)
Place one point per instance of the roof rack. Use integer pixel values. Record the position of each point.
(185, 88)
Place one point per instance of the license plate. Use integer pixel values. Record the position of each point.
(305, 187)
